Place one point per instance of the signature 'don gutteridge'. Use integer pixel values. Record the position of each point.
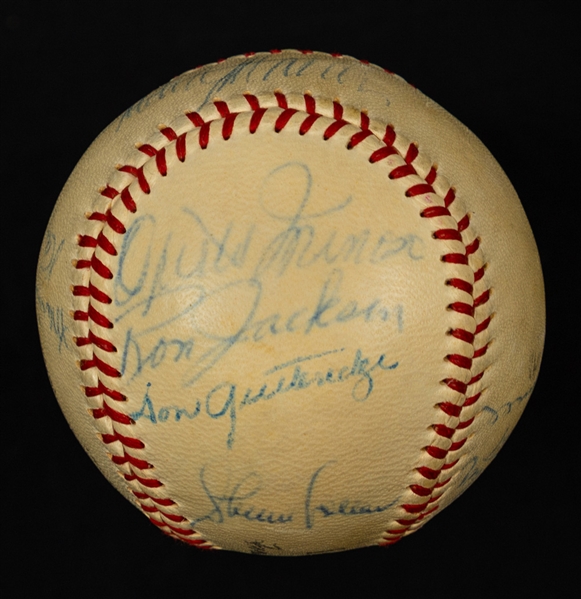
(228, 398)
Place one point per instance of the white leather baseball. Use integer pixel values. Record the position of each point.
(290, 305)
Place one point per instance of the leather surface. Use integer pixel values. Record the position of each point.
(280, 309)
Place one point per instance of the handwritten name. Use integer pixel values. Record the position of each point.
(215, 79)
(315, 508)
(168, 282)
(242, 501)
(475, 465)
(56, 320)
(49, 253)
(236, 503)
(145, 349)
(226, 399)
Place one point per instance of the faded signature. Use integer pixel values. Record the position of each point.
(227, 398)
(206, 270)
(474, 466)
(216, 80)
(242, 500)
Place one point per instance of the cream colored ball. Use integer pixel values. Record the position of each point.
(289, 305)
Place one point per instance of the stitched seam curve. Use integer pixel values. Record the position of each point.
(451, 428)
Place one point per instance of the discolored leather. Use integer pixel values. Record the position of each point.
(290, 305)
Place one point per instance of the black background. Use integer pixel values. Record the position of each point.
(507, 71)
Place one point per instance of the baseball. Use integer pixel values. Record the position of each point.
(289, 305)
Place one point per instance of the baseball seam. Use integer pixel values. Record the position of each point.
(438, 460)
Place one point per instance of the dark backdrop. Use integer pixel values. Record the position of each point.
(505, 69)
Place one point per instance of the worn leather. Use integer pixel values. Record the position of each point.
(280, 308)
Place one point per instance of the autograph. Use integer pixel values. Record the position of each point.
(242, 500)
(474, 466)
(226, 399)
(217, 79)
(168, 283)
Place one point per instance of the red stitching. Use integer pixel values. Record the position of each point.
(169, 133)
(204, 138)
(101, 389)
(115, 223)
(164, 502)
(109, 192)
(364, 124)
(127, 459)
(463, 335)
(127, 441)
(434, 211)
(86, 241)
(419, 189)
(482, 326)
(106, 245)
(402, 171)
(412, 153)
(462, 308)
(382, 153)
(420, 491)
(138, 173)
(281, 100)
(358, 138)
(181, 147)
(195, 118)
(159, 155)
(283, 119)
(460, 361)
(333, 128)
(460, 284)
(431, 176)
(252, 102)
(222, 108)
(447, 234)
(228, 125)
(256, 119)
(310, 104)
(113, 414)
(149, 483)
(308, 123)
(444, 432)
(479, 273)
(93, 339)
(450, 408)
(96, 362)
(389, 136)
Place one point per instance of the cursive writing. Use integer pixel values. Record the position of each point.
(56, 320)
(329, 508)
(475, 465)
(226, 399)
(241, 500)
(217, 79)
(49, 253)
(145, 348)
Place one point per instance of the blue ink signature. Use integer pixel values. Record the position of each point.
(50, 252)
(183, 266)
(226, 399)
(235, 503)
(216, 80)
(344, 507)
(474, 467)
(146, 348)
(56, 320)
(241, 500)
